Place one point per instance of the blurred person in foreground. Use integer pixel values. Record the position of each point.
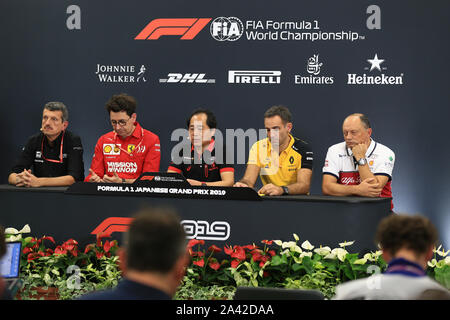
(153, 260)
(407, 243)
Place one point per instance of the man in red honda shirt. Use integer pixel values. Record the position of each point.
(123, 154)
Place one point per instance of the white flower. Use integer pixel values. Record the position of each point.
(432, 263)
(447, 260)
(26, 229)
(323, 251)
(369, 256)
(285, 251)
(331, 256)
(296, 237)
(296, 249)
(372, 256)
(378, 253)
(442, 252)
(288, 244)
(11, 231)
(306, 254)
(14, 238)
(292, 246)
(360, 261)
(278, 242)
(340, 253)
(345, 244)
(307, 246)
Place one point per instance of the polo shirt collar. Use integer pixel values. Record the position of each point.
(137, 131)
(405, 267)
(56, 142)
(291, 143)
(369, 151)
(210, 147)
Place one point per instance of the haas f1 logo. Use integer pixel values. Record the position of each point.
(218, 230)
(187, 28)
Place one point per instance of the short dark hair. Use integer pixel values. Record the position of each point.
(2, 242)
(58, 106)
(364, 119)
(155, 240)
(121, 102)
(281, 111)
(210, 117)
(398, 231)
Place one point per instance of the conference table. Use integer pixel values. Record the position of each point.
(218, 215)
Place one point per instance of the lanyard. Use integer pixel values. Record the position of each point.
(60, 150)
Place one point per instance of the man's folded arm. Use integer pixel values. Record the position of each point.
(302, 186)
(331, 187)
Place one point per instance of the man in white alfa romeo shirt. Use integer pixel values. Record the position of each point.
(359, 166)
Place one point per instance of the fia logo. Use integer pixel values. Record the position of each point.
(226, 29)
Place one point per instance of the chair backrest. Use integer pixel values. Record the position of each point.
(251, 293)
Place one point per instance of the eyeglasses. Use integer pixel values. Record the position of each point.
(119, 122)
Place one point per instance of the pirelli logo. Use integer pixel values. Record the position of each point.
(187, 28)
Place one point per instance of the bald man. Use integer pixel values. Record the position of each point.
(359, 166)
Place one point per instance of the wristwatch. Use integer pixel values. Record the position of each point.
(285, 190)
(362, 161)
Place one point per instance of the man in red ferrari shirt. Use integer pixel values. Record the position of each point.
(126, 152)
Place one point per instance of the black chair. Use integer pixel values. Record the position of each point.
(251, 293)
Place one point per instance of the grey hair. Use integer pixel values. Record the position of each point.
(58, 106)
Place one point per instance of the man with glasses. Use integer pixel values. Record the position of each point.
(123, 154)
(52, 157)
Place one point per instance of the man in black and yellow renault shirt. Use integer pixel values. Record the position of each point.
(283, 161)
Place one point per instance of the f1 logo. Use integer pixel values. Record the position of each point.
(188, 28)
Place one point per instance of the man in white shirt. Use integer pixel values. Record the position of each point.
(358, 166)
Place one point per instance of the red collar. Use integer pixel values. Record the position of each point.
(137, 133)
(210, 146)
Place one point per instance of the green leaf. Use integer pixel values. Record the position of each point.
(296, 267)
(277, 261)
(442, 275)
(348, 273)
(309, 267)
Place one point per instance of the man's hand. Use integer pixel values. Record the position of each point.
(369, 188)
(114, 179)
(29, 180)
(240, 185)
(359, 151)
(94, 177)
(271, 190)
(19, 180)
(193, 182)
